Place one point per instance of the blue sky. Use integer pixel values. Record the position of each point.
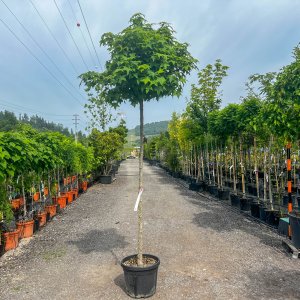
(250, 37)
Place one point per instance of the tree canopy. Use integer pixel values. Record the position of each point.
(145, 63)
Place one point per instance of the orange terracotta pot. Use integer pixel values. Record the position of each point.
(25, 229)
(51, 209)
(15, 203)
(69, 196)
(11, 240)
(42, 218)
(62, 201)
(46, 191)
(75, 191)
(21, 201)
(84, 185)
(36, 196)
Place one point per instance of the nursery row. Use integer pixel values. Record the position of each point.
(252, 147)
(44, 210)
(44, 207)
(39, 170)
(277, 217)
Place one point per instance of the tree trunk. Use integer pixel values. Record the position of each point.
(242, 168)
(233, 166)
(269, 173)
(140, 208)
(207, 160)
(265, 176)
(256, 168)
(23, 192)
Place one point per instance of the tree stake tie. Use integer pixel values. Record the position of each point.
(138, 200)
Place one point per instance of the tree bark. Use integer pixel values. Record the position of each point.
(24, 197)
(242, 168)
(256, 167)
(140, 208)
(233, 166)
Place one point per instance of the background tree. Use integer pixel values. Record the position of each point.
(100, 111)
(146, 62)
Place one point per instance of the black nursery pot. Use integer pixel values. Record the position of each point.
(245, 203)
(213, 189)
(255, 209)
(140, 281)
(272, 217)
(262, 212)
(196, 186)
(106, 179)
(235, 200)
(223, 194)
(295, 228)
(36, 225)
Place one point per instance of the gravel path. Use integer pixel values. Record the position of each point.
(207, 251)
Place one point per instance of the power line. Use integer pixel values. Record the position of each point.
(40, 47)
(78, 25)
(53, 36)
(39, 61)
(20, 107)
(66, 122)
(31, 110)
(70, 34)
(89, 35)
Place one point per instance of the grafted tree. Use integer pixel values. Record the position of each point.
(146, 62)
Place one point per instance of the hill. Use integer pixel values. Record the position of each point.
(153, 128)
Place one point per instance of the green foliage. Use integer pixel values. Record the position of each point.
(145, 63)
(225, 123)
(206, 97)
(107, 147)
(100, 111)
(281, 108)
(8, 120)
(5, 207)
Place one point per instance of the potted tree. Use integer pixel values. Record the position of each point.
(146, 62)
(106, 147)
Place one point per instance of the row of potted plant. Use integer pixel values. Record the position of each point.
(32, 169)
(44, 209)
(249, 147)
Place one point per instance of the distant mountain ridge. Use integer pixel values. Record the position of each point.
(153, 128)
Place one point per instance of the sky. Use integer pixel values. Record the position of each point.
(39, 70)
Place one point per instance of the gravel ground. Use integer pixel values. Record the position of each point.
(207, 251)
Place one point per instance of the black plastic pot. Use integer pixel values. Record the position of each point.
(106, 179)
(176, 174)
(235, 200)
(223, 194)
(190, 179)
(140, 281)
(295, 228)
(48, 218)
(254, 207)
(36, 225)
(213, 189)
(245, 203)
(262, 212)
(272, 217)
(196, 186)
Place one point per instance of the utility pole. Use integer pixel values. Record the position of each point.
(76, 123)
